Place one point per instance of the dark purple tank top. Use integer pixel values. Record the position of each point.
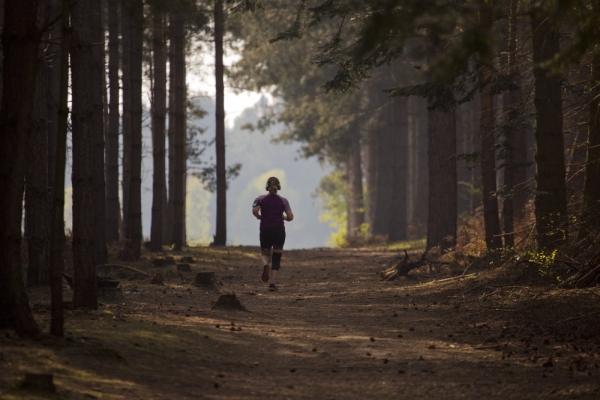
(272, 207)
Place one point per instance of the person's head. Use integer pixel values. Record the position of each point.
(273, 185)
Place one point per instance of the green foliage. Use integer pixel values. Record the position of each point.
(542, 259)
(333, 195)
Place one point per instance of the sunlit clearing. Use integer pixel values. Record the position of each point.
(197, 216)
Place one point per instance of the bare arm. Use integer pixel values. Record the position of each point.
(289, 215)
(255, 211)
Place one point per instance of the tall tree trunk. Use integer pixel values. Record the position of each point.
(57, 237)
(158, 133)
(168, 234)
(399, 137)
(59, 109)
(97, 87)
(511, 112)
(178, 41)
(441, 224)
(133, 222)
(371, 156)
(464, 143)
(422, 167)
(371, 175)
(550, 199)
(126, 117)
(52, 72)
(522, 159)
(168, 213)
(20, 40)
(112, 138)
(356, 213)
(84, 243)
(491, 217)
(384, 174)
(36, 180)
(411, 172)
(221, 231)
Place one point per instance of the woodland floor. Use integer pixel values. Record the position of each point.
(334, 330)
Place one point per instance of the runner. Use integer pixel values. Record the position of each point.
(272, 210)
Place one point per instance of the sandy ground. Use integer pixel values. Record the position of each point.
(333, 330)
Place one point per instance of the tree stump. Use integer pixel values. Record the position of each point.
(207, 280)
(184, 268)
(41, 382)
(157, 279)
(228, 302)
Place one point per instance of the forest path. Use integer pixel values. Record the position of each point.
(333, 330)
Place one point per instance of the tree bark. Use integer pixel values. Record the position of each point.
(158, 133)
(511, 113)
(36, 180)
(371, 177)
(126, 117)
(97, 87)
(20, 40)
(168, 224)
(356, 213)
(52, 72)
(384, 174)
(112, 138)
(84, 244)
(491, 218)
(399, 137)
(179, 161)
(441, 224)
(57, 237)
(133, 222)
(422, 168)
(550, 198)
(220, 238)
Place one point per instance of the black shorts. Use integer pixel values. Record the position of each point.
(272, 237)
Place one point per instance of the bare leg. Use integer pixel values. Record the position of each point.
(276, 258)
(273, 275)
(266, 259)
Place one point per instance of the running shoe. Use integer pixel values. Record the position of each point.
(266, 271)
(272, 287)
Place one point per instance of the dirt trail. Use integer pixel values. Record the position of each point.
(334, 330)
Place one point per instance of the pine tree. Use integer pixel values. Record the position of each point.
(84, 241)
(20, 39)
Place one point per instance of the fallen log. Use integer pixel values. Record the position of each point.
(587, 276)
(401, 267)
